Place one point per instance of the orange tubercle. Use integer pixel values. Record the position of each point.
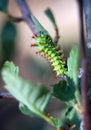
(34, 36)
(33, 45)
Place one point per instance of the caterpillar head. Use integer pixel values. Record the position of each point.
(42, 39)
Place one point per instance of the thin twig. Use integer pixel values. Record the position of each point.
(15, 19)
(87, 12)
(57, 35)
(27, 15)
(84, 84)
(5, 95)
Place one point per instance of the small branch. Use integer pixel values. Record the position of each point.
(87, 11)
(4, 95)
(15, 19)
(82, 38)
(27, 15)
(84, 64)
(57, 35)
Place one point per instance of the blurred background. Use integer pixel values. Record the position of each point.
(15, 45)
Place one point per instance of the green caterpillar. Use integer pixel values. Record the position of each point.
(47, 48)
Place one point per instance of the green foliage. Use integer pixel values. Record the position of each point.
(73, 118)
(38, 26)
(8, 36)
(50, 15)
(73, 64)
(71, 83)
(36, 98)
(56, 122)
(63, 91)
(9, 67)
(73, 67)
(25, 110)
(4, 5)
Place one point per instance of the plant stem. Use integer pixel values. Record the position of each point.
(87, 11)
(48, 119)
(77, 95)
(4, 95)
(84, 64)
(27, 15)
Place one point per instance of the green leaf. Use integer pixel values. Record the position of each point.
(10, 67)
(50, 15)
(39, 27)
(63, 92)
(71, 82)
(36, 98)
(4, 5)
(73, 118)
(56, 122)
(8, 37)
(73, 64)
(25, 110)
